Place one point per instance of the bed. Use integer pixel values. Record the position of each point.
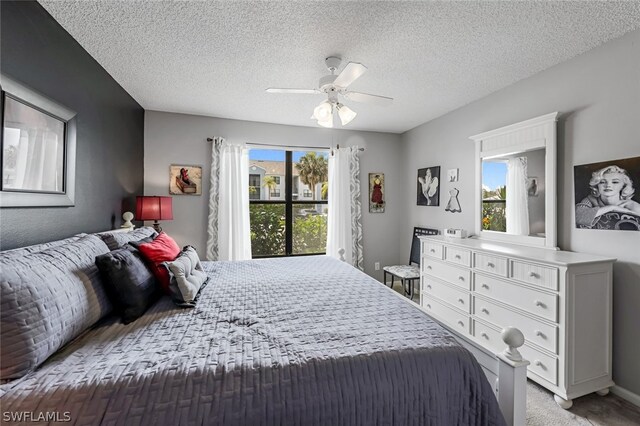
(307, 341)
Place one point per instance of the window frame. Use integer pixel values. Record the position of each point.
(288, 202)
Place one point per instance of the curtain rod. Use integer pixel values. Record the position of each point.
(282, 146)
(359, 149)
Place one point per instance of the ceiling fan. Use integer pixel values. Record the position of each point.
(333, 85)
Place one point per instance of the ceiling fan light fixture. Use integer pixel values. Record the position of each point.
(326, 123)
(323, 112)
(346, 114)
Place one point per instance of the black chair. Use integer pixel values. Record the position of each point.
(411, 272)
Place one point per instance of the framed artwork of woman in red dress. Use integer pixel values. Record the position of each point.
(376, 193)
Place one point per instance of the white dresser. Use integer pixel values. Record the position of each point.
(560, 300)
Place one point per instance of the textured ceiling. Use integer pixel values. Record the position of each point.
(217, 58)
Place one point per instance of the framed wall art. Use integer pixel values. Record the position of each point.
(532, 186)
(429, 186)
(376, 193)
(607, 195)
(452, 175)
(185, 180)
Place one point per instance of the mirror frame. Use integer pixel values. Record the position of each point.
(40, 102)
(528, 135)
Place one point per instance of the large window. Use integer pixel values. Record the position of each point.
(282, 223)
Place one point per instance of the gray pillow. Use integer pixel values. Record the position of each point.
(46, 300)
(186, 277)
(115, 240)
(128, 281)
(19, 252)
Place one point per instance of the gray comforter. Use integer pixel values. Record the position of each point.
(305, 341)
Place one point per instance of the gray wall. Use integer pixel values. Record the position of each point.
(598, 94)
(179, 138)
(37, 51)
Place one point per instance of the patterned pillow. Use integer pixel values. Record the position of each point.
(128, 281)
(46, 300)
(115, 240)
(187, 277)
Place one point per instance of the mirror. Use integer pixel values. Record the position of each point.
(515, 177)
(38, 145)
(513, 193)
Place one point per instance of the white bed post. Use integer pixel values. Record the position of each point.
(512, 378)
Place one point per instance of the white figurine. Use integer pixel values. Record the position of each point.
(127, 216)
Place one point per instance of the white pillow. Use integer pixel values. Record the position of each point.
(186, 277)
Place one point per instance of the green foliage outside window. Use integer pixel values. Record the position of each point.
(267, 229)
(493, 217)
(268, 235)
(310, 234)
(493, 209)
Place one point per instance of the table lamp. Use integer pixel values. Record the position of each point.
(154, 208)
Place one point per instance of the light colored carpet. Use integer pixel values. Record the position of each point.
(592, 410)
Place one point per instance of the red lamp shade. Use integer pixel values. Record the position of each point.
(154, 208)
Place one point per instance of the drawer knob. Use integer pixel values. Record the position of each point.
(539, 303)
(540, 334)
(533, 275)
(428, 306)
(460, 323)
(428, 266)
(461, 278)
(491, 265)
(432, 250)
(485, 286)
(485, 335)
(461, 300)
(485, 310)
(429, 286)
(537, 363)
(458, 256)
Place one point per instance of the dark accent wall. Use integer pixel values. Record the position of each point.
(38, 52)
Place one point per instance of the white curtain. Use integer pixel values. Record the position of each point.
(517, 208)
(344, 227)
(229, 233)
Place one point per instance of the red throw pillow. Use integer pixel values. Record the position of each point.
(162, 249)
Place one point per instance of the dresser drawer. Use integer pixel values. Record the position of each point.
(458, 298)
(543, 276)
(488, 263)
(457, 255)
(433, 249)
(530, 300)
(543, 365)
(453, 318)
(449, 273)
(535, 331)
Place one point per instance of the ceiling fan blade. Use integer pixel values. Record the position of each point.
(296, 91)
(365, 97)
(349, 74)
